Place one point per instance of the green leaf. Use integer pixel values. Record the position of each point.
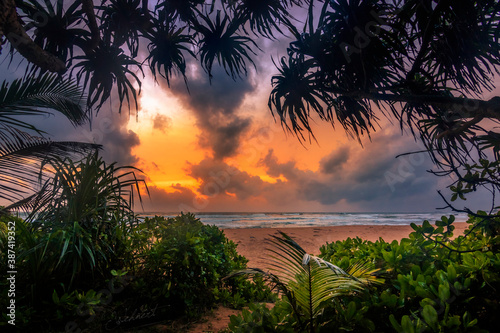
(55, 298)
(430, 316)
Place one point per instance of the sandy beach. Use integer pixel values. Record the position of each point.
(252, 244)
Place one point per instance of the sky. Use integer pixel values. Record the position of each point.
(217, 148)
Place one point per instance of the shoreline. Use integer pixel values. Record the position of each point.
(252, 241)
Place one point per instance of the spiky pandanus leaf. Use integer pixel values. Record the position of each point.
(56, 27)
(220, 41)
(90, 190)
(263, 16)
(167, 48)
(107, 67)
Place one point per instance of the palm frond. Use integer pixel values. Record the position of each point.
(220, 42)
(21, 156)
(38, 96)
(309, 283)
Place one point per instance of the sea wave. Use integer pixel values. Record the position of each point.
(302, 219)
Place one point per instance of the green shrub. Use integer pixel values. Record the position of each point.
(259, 318)
(182, 262)
(433, 283)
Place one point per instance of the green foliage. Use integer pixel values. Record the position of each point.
(434, 282)
(175, 263)
(259, 318)
(183, 262)
(238, 291)
(308, 283)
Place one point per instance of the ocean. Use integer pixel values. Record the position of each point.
(281, 220)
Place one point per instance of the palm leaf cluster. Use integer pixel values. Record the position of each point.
(56, 28)
(105, 57)
(309, 283)
(89, 191)
(220, 42)
(22, 153)
(167, 51)
(425, 63)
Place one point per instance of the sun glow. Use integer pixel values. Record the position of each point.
(168, 138)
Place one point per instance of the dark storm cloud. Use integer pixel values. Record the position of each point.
(331, 163)
(161, 122)
(276, 169)
(215, 106)
(372, 179)
(218, 178)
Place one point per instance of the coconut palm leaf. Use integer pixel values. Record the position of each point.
(39, 96)
(309, 282)
(30, 203)
(20, 158)
(220, 41)
(22, 153)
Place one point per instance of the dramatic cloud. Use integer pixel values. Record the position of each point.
(219, 178)
(162, 201)
(161, 122)
(215, 105)
(331, 163)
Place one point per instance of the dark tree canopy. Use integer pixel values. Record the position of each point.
(425, 62)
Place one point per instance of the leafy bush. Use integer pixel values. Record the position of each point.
(175, 263)
(308, 284)
(433, 283)
(183, 262)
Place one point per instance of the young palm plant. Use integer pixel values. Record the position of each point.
(87, 213)
(309, 283)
